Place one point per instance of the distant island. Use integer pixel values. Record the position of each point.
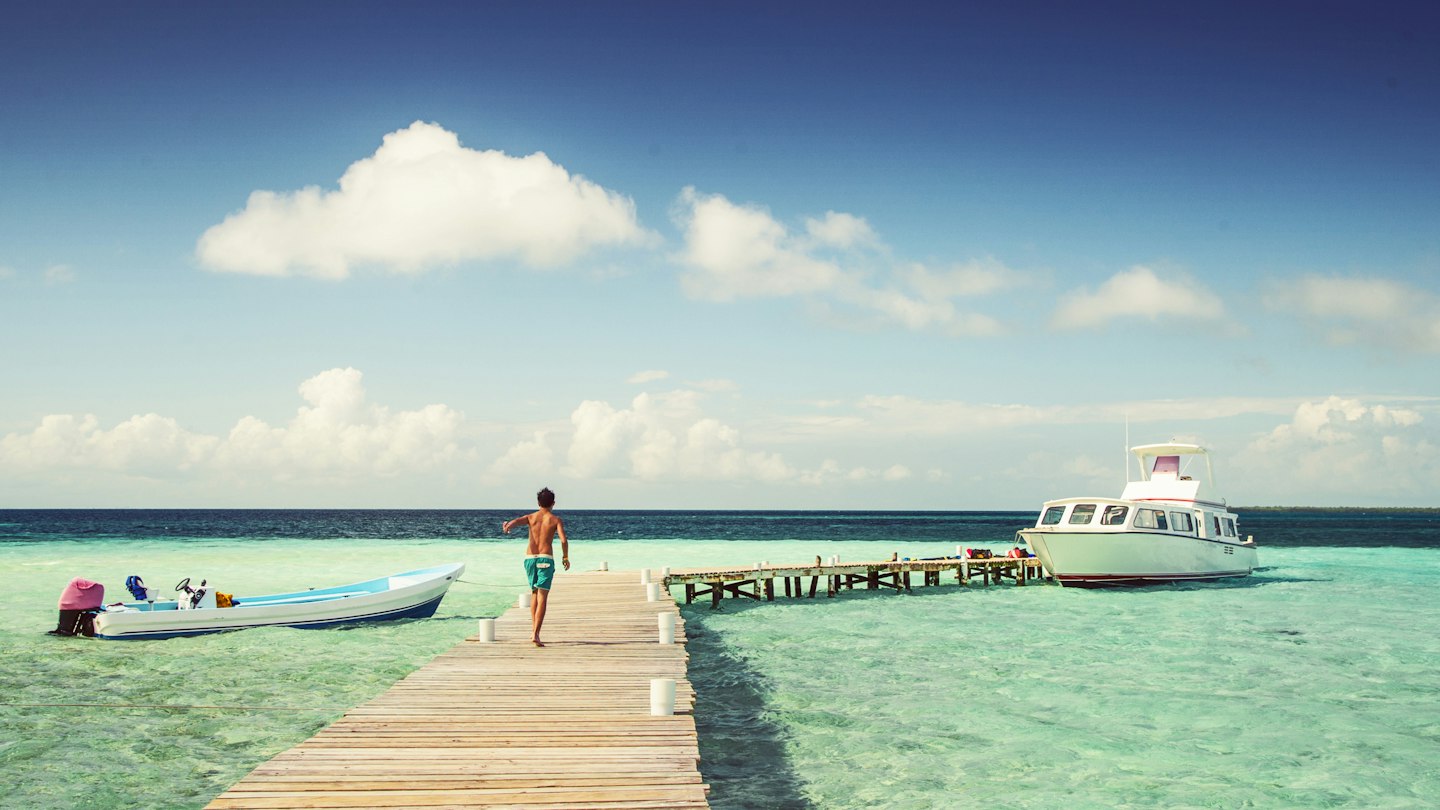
(1393, 509)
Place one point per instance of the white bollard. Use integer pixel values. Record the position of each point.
(652, 592)
(662, 696)
(834, 559)
(604, 565)
(487, 630)
(765, 564)
(667, 628)
(644, 576)
(758, 565)
(524, 600)
(665, 572)
(959, 551)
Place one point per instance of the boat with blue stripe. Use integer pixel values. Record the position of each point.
(408, 595)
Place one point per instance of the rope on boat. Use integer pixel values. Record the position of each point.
(173, 706)
(492, 584)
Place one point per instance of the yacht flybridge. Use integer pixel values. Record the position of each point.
(1168, 526)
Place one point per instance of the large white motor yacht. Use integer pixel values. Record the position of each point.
(1168, 526)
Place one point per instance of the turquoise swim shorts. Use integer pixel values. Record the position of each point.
(540, 571)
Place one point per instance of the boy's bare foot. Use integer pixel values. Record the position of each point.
(537, 642)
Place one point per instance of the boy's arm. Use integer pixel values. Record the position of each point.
(509, 524)
(564, 543)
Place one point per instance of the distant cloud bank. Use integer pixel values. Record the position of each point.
(1362, 310)
(1333, 449)
(423, 200)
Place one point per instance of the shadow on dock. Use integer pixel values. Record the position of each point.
(742, 751)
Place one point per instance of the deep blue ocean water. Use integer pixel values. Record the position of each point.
(1313, 683)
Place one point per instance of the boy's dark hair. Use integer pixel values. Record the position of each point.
(545, 498)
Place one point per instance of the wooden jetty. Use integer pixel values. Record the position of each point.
(509, 725)
(758, 581)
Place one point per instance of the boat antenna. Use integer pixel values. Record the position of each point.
(1127, 447)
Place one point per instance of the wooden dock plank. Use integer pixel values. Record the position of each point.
(511, 725)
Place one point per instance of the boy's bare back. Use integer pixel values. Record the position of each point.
(544, 524)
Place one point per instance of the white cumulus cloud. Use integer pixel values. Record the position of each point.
(663, 436)
(835, 262)
(338, 431)
(423, 200)
(337, 434)
(1137, 293)
(1344, 450)
(146, 445)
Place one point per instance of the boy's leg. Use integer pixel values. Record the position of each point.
(537, 617)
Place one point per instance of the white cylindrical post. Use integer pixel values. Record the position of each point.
(758, 566)
(524, 600)
(644, 576)
(487, 630)
(959, 551)
(665, 572)
(765, 564)
(667, 628)
(652, 592)
(604, 565)
(662, 696)
(834, 559)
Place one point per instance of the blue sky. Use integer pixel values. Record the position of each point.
(731, 256)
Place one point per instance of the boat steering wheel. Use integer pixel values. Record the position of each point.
(183, 585)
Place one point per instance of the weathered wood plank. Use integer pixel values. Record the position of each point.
(511, 725)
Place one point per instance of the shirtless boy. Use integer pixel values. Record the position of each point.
(540, 555)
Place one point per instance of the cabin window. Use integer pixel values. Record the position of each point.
(1052, 516)
(1150, 519)
(1114, 516)
(1215, 525)
(1229, 527)
(1084, 513)
(1181, 522)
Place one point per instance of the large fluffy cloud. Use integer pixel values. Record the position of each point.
(337, 434)
(663, 436)
(150, 446)
(1344, 450)
(835, 262)
(1362, 310)
(421, 200)
(338, 431)
(1137, 293)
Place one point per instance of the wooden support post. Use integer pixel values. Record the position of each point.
(874, 578)
(814, 583)
(787, 587)
(689, 593)
(770, 589)
(716, 591)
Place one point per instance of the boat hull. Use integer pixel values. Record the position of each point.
(414, 594)
(1101, 559)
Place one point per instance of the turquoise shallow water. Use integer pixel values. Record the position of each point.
(1312, 684)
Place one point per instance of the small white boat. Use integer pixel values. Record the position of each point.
(1169, 526)
(411, 595)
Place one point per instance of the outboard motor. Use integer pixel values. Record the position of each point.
(78, 603)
